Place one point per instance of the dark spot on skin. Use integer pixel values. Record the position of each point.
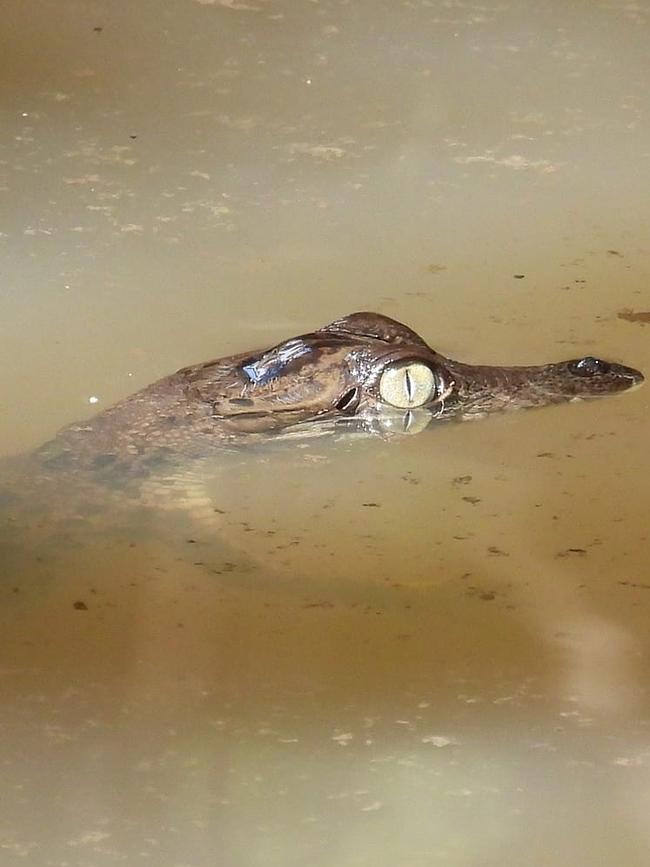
(191, 541)
(545, 455)
(461, 480)
(487, 597)
(97, 29)
(615, 253)
(635, 585)
(472, 500)
(519, 276)
(371, 505)
(79, 605)
(579, 281)
(319, 605)
(133, 137)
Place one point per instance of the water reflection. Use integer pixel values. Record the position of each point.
(357, 662)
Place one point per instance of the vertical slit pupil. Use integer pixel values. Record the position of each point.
(409, 385)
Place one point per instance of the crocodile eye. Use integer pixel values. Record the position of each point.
(407, 385)
(588, 366)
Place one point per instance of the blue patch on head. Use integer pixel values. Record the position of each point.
(255, 376)
(271, 365)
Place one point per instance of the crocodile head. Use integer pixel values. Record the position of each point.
(364, 371)
(369, 366)
(363, 374)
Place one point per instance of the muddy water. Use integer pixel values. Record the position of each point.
(416, 652)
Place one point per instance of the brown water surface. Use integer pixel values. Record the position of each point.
(425, 651)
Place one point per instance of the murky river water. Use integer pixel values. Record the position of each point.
(428, 651)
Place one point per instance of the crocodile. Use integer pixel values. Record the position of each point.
(364, 373)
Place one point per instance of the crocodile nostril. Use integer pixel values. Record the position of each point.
(589, 366)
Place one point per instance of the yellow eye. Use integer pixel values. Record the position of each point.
(408, 385)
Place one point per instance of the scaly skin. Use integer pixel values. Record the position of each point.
(328, 380)
(307, 379)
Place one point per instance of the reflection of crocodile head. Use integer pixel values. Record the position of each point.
(364, 369)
